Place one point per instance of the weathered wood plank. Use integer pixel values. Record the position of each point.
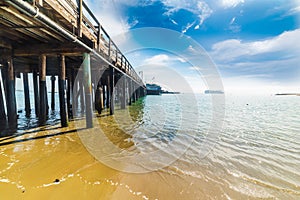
(67, 49)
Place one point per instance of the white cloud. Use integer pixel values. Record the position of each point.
(232, 21)
(174, 22)
(161, 59)
(255, 86)
(109, 15)
(230, 50)
(231, 3)
(199, 8)
(187, 27)
(233, 26)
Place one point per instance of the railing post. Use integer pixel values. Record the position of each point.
(109, 48)
(99, 38)
(79, 20)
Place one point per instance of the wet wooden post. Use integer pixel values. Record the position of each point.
(53, 92)
(111, 86)
(123, 92)
(129, 91)
(87, 78)
(74, 87)
(36, 93)
(103, 94)
(11, 95)
(99, 98)
(26, 94)
(138, 93)
(81, 95)
(107, 92)
(133, 92)
(47, 102)
(61, 90)
(2, 108)
(69, 98)
(42, 90)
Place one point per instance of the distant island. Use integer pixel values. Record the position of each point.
(154, 89)
(213, 92)
(168, 92)
(288, 94)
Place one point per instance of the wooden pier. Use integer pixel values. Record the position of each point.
(63, 39)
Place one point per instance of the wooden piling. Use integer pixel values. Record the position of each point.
(26, 94)
(123, 92)
(11, 95)
(107, 92)
(129, 92)
(111, 87)
(133, 93)
(88, 89)
(61, 89)
(53, 93)
(42, 90)
(36, 93)
(2, 108)
(69, 98)
(47, 102)
(99, 98)
(81, 95)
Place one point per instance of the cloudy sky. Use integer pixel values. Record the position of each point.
(254, 44)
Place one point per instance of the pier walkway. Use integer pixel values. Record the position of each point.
(61, 38)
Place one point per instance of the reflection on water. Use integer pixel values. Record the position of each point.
(256, 155)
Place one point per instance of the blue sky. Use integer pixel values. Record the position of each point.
(254, 43)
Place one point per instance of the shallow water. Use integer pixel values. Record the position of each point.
(255, 155)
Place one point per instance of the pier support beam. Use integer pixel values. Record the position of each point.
(87, 78)
(99, 98)
(11, 96)
(53, 92)
(36, 94)
(107, 92)
(111, 86)
(81, 90)
(70, 115)
(123, 92)
(133, 95)
(103, 94)
(43, 89)
(62, 94)
(129, 92)
(2, 108)
(26, 94)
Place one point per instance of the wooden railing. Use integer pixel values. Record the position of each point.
(78, 14)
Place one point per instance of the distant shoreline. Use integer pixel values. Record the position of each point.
(288, 94)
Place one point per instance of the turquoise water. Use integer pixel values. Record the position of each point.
(256, 153)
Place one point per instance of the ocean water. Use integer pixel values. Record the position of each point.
(256, 153)
(168, 147)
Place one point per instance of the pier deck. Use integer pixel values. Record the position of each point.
(61, 38)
